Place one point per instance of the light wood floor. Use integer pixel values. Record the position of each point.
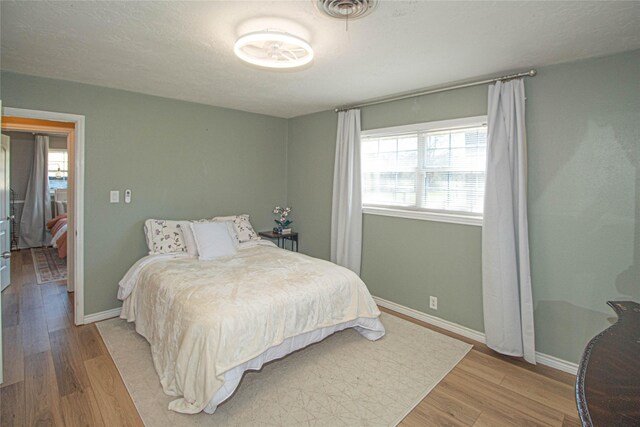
(60, 374)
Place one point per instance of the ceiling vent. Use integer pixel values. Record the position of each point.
(346, 9)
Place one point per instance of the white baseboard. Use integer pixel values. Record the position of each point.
(554, 362)
(432, 320)
(103, 315)
(543, 359)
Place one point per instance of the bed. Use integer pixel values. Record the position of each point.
(58, 228)
(208, 322)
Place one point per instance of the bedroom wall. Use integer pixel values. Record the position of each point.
(584, 204)
(180, 159)
(58, 142)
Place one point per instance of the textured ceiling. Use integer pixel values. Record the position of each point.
(184, 50)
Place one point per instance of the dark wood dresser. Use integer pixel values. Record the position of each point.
(608, 381)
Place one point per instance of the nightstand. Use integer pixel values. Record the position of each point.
(282, 238)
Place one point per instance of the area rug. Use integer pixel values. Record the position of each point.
(48, 265)
(344, 380)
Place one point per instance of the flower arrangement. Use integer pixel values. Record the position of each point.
(283, 222)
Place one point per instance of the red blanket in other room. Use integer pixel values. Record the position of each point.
(55, 225)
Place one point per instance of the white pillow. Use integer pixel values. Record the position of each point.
(213, 240)
(165, 236)
(189, 240)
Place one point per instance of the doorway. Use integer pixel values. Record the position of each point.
(39, 188)
(72, 127)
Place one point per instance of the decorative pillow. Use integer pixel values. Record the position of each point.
(165, 236)
(213, 239)
(243, 229)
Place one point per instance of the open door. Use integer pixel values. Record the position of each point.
(1, 362)
(5, 219)
(5, 233)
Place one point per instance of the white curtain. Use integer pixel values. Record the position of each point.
(346, 209)
(506, 277)
(37, 201)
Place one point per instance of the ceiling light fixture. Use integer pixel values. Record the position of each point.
(273, 49)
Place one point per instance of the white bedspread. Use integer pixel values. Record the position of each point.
(205, 318)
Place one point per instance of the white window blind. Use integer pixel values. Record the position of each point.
(437, 167)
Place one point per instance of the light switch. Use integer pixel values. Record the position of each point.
(114, 196)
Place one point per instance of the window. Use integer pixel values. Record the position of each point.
(430, 171)
(58, 169)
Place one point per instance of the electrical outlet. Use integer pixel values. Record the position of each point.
(433, 303)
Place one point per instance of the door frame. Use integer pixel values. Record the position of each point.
(78, 195)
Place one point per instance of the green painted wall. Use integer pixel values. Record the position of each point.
(180, 159)
(583, 123)
(310, 157)
(584, 197)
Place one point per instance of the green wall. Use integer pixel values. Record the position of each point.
(181, 160)
(584, 197)
(310, 157)
(584, 203)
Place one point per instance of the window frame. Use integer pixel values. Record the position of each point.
(58, 150)
(455, 217)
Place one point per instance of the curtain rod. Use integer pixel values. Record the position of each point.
(529, 73)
